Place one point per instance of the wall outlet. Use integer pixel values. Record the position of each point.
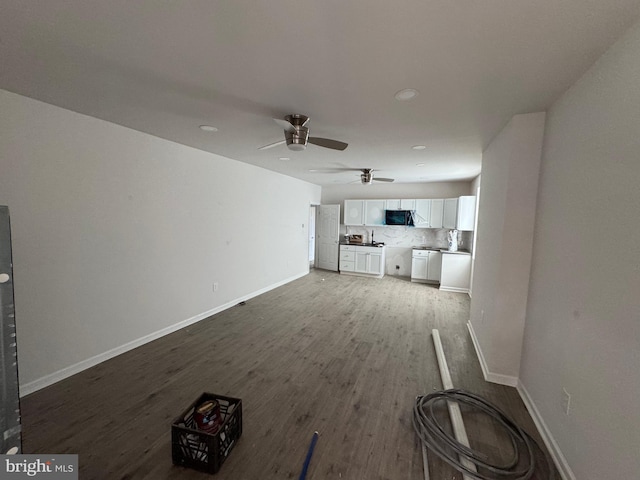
(215, 286)
(566, 401)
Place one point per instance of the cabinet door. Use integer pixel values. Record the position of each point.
(392, 204)
(419, 267)
(422, 213)
(354, 212)
(374, 212)
(375, 263)
(450, 212)
(434, 268)
(407, 204)
(436, 213)
(466, 212)
(361, 262)
(456, 271)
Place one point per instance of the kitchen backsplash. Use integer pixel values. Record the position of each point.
(408, 236)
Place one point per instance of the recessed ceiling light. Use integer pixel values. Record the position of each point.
(419, 164)
(284, 159)
(419, 147)
(208, 128)
(406, 94)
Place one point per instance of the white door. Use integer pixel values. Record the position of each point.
(328, 236)
(312, 235)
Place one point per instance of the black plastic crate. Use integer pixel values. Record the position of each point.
(195, 448)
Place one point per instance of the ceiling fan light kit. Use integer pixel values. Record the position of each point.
(296, 135)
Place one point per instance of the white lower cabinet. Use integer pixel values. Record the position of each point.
(425, 266)
(456, 272)
(367, 261)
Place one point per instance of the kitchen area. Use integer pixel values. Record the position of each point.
(427, 240)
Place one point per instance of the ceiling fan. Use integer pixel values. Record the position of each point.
(367, 178)
(366, 175)
(296, 135)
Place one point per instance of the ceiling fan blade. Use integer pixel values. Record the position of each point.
(287, 126)
(328, 143)
(337, 170)
(378, 179)
(264, 147)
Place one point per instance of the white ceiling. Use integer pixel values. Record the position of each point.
(167, 66)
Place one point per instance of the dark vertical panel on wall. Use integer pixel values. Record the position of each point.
(10, 406)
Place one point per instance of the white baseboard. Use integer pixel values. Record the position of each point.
(554, 450)
(545, 433)
(50, 379)
(488, 375)
(454, 289)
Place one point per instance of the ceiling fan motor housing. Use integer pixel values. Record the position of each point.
(367, 178)
(297, 140)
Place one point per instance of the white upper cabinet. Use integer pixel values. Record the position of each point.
(364, 212)
(428, 213)
(466, 212)
(407, 204)
(422, 216)
(450, 213)
(437, 213)
(402, 204)
(354, 212)
(459, 213)
(392, 204)
(374, 212)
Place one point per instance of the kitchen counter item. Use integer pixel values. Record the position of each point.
(376, 244)
(457, 252)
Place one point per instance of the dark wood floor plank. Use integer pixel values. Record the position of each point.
(342, 355)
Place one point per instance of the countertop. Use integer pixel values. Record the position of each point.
(379, 245)
(443, 250)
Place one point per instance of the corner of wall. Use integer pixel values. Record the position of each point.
(552, 446)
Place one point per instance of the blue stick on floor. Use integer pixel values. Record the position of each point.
(307, 460)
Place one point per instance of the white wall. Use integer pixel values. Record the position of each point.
(118, 235)
(337, 194)
(510, 168)
(583, 316)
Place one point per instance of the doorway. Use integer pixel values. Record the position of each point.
(328, 237)
(11, 441)
(312, 235)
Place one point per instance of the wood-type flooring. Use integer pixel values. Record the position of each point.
(342, 355)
